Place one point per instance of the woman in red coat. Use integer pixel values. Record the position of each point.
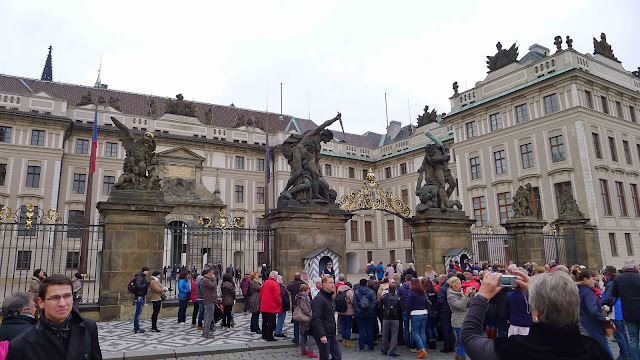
(270, 305)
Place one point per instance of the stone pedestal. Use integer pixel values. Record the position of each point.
(584, 240)
(436, 232)
(529, 240)
(134, 237)
(301, 228)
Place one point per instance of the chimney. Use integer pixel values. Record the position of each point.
(393, 129)
(539, 49)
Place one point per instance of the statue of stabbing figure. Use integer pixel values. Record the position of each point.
(436, 175)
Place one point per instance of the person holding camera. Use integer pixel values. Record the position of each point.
(459, 304)
(157, 295)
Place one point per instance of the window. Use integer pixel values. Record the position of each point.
(111, 149)
(613, 244)
(527, 156)
(33, 176)
(352, 173)
(5, 134)
(392, 255)
(635, 200)
(550, 104)
(82, 146)
(589, 99)
(627, 152)
(403, 169)
(78, 183)
(605, 104)
(408, 255)
(23, 261)
(37, 137)
(612, 148)
(522, 113)
(327, 170)
(480, 211)
(73, 259)
(239, 198)
(472, 129)
(475, 168)
(76, 218)
(596, 145)
(629, 243)
(619, 109)
(387, 172)
(369, 256)
(107, 183)
(535, 201)
(560, 189)
(638, 150)
(501, 162)
(504, 207)
(622, 201)
(404, 196)
(391, 230)
(632, 112)
(354, 230)
(3, 174)
(406, 231)
(496, 121)
(239, 163)
(557, 148)
(368, 235)
(365, 172)
(260, 195)
(483, 250)
(22, 221)
(604, 192)
(259, 164)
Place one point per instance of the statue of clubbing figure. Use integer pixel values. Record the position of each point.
(436, 175)
(303, 155)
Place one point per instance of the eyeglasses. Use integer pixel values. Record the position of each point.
(56, 298)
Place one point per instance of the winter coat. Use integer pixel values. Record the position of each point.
(12, 326)
(443, 305)
(199, 287)
(156, 289)
(403, 291)
(433, 276)
(39, 342)
(209, 291)
(390, 272)
(254, 296)
(183, 288)
(350, 310)
(302, 300)
(415, 301)
(270, 298)
(323, 320)
(228, 290)
(326, 271)
(34, 287)
(590, 317)
(371, 296)
(516, 309)
(626, 286)
(469, 283)
(384, 303)
(380, 271)
(412, 272)
(194, 296)
(284, 295)
(244, 285)
(140, 284)
(294, 288)
(496, 308)
(459, 305)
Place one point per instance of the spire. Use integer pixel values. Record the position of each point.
(47, 72)
(99, 84)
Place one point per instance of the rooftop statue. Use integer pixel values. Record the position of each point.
(603, 48)
(180, 107)
(433, 177)
(140, 170)
(302, 152)
(114, 103)
(503, 57)
(455, 88)
(86, 99)
(521, 202)
(427, 117)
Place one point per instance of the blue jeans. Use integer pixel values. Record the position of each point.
(447, 330)
(366, 327)
(407, 327)
(502, 328)
(280, 322)
(633, 328)
(136, 317)
(418, 327)
(182, 309)
(622, 338)
(460, 350)
(296, 332)
(201, 314)
(432, 330)
(345, 326)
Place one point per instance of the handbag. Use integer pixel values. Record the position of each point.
(163, 297)
(299, 316)
(609, 328)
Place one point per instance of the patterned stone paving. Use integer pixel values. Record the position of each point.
(118, 336)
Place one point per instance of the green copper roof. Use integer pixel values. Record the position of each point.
(445, 138)
(345, 156)
(542, 78)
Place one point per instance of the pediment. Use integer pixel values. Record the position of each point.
(180, 153)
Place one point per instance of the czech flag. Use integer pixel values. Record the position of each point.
(94, 142)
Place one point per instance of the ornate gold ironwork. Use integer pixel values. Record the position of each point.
(5, 214)
(236, 224)
(556, 230)
(370, 196)
(53, 216)
(206, 221)
(29, 221)
(221, 221)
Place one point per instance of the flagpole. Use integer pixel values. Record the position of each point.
(86, 219)
(386, 112)
(266, 160)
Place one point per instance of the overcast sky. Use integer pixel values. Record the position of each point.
(340, 55)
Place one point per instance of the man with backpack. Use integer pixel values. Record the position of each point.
(344, 308)
(392, 309)
(138, 286)
(364, 306)
(403, 292)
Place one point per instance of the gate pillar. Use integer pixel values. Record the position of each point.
(134, 237)
(586, 244)
(529, 239)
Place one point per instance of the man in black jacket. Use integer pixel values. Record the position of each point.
(294, 288)
(391, 306)
(323, 321)
(444, 315)
(626, 286)
(140, 285)
(61, 333)
(18, 310)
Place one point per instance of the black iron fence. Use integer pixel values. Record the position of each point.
(489, 247)
(560, 245)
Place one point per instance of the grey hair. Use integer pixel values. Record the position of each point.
(555, 296)
(341, 277)
(273, 274)
(13, 303)
(317, 280)
(630, 264)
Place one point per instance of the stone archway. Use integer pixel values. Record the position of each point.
(353, 263)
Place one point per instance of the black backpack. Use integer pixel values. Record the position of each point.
(364, 303)
(392, 306)
(341, 302)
